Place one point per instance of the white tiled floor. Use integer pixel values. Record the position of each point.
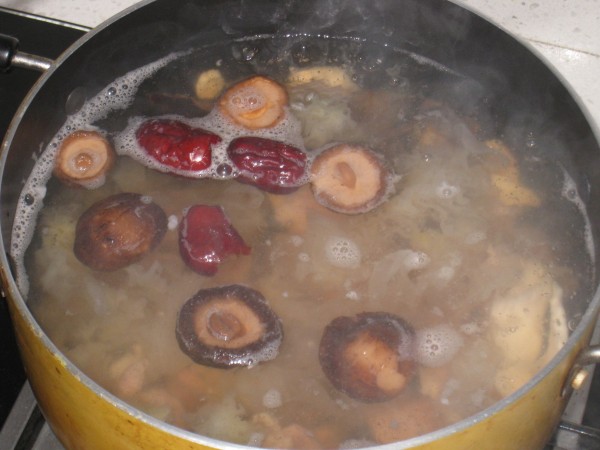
(566, 33)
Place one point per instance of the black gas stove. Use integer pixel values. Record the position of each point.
(44, 37)
(22, 424)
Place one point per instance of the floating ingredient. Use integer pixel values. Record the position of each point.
(272, 166)
(369, 356)
(227, 327)
(255, 103)
(83, 159)
(118, 231)
(349, 179)
(207, 237)
(177, 145)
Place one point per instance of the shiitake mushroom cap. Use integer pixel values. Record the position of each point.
(255, 103)
(349, 179)
(118, 231)
(228, 326)
(369, 357)
(83, 159)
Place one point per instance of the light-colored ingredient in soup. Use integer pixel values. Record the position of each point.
(209, 84)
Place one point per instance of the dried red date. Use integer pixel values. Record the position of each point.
(207, 237)
(270, 165)
(176, 144)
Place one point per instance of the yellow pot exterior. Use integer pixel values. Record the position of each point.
(83, 418)
(80, 417)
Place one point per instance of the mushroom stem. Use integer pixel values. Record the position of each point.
(228, 326)
(224, 325)
(83, 159)
(346, 175)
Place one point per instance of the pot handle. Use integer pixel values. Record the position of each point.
(10, 56)
(580, 371)
(590, 355)
(568, 433)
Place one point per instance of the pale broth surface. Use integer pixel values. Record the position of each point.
(455, 250)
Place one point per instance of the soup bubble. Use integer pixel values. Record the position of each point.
(437, 345)
(342, 252)
(416, 260)
(272, 399)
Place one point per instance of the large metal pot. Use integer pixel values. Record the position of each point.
(82, 414)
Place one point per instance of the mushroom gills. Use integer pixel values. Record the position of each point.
(255, 103)
(349, 179)
(83, 159)
(228, 326)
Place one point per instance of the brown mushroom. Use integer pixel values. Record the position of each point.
(349, 179)
(228, 326)
(369, 356)
(83, 159)
(118, 231)
(257, 102)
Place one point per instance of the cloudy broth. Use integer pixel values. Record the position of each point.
(468, 247)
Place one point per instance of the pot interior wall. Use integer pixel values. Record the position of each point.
(501, 75)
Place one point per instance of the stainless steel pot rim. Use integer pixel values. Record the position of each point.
(12, 291)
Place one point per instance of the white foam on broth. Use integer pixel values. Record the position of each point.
(118, 95)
